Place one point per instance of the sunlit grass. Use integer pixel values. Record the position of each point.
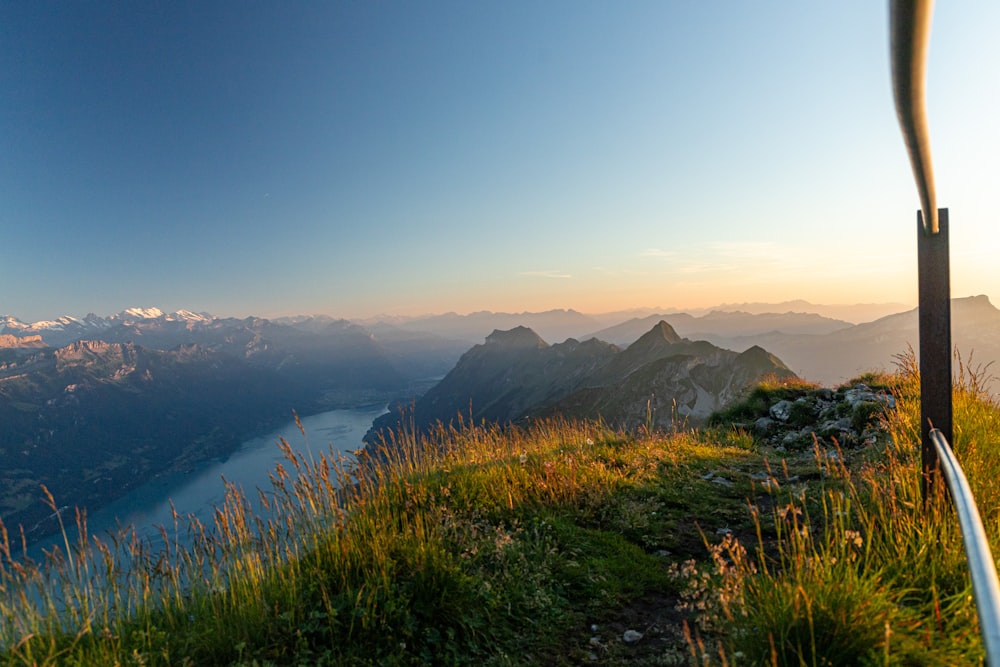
(476, 543)
(504, 546)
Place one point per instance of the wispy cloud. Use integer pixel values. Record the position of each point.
(707, 267)
(550, 273)
(726, 257)
(619, 272)
(750, 249)
(658, 252)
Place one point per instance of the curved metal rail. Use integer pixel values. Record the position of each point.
(910, 26)
(982, 567)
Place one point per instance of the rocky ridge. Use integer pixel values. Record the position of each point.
(32, 341)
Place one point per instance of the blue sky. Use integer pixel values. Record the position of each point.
(356, 158)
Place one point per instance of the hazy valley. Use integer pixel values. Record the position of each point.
(93, 407)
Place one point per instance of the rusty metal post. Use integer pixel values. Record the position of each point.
(935, 344)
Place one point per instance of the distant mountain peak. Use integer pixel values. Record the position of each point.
(659, 334)
(757, 355)
(977, 301)
(141, 313)
(188, 316)
(656, 343)
(518, 337)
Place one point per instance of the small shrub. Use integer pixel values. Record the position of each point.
(803, 413)
(865, 414)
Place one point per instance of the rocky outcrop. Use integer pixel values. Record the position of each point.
(9, 341)
(848, 416)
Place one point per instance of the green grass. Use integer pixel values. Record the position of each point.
(482, 545)
(858, 570)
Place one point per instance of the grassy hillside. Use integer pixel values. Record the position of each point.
(565, 543)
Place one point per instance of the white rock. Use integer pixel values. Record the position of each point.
(781, 410)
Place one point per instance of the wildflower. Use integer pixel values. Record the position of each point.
(523, 458)
(502, 539)
(590, 441)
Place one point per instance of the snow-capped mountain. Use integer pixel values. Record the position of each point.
(139, 314)
(56, 332)
(336, 349)
(188, 316)
(132, 315)
(68, 329)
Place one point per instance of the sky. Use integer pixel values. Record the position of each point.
(400, 158)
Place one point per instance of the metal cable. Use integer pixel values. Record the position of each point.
(910, 29)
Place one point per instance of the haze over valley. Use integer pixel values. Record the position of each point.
(96, 406)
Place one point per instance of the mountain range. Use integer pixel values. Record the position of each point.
(831, 351)
(68, 329)
(818, 347)
(114, 400)
(659, 380)
(93, 407)
(724, 324)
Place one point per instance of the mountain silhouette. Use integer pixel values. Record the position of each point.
(516, 375)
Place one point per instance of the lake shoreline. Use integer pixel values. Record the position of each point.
(199, 482)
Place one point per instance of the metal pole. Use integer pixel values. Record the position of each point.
(910, 30)
(935, 343)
